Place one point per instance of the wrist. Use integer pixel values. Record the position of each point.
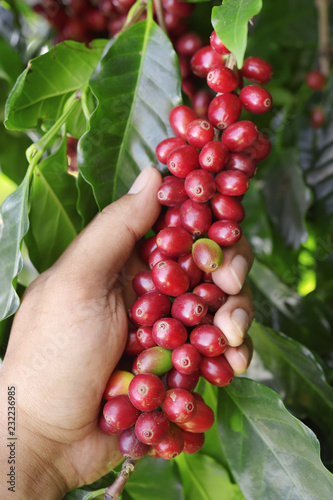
(28, 461)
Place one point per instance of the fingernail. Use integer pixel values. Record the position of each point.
(240, 319)
(239, 268)
(141, 181)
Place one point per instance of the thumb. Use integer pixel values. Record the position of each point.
(101, 250)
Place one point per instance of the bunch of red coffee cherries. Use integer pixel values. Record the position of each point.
(174, 341)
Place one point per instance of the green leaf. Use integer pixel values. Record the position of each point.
(13, 161)
(54, 221)
(287, 197)
(10, 63)
(86, 204)
(296, 374)
(13, 227)
(204, 479)
(271, 453)
(230, 21)
(154, 478)
(42, 90)
(137, 84)
(85, 495)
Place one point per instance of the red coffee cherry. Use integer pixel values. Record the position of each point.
(145, 336)
(315, 80)
(317, 117)
(188, 43)
(120, 413)
(222, 79)
(149, 308)
(189, 308)
(188, 87)
(202, 420)
(179, 405)
(207, 255)
(183, 160)
(105, 427)
(170, 278)
(156, 360)
(186, 359)
(257, 70)
(175, 379)
(180, 117)
(216, 371)
(242, 163)
(232, 183)
(146, 391)
(173, 23)
(227, 208)
(212, 295)
(95, 20)
(204, 60)
(156, 256)
(199, 132)
(133, 346)
(225, 232)
(200, 103)
(255, 99)
(213, 157)
(224, 110)
(165, 147)
(195, 217)
(240, 135)
(169, 333)
(260, 149)
(182, 9)
(174, 241)
(160, 223)
(192, 270)
(217, 44)
(143, 283)
(209, 340)
(193, 442)
(117, 384)
(130, 446)
(172, 217)
(200, 186)
(152, 427)
(172, 445)
(185, 67)
(147, 246)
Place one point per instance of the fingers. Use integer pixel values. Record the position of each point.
(101, 250)
(237, 262)
(235, 316)
(240, 357)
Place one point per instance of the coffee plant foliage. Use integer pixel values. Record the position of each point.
(272, 437)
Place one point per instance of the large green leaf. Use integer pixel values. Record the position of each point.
(13, 227)
(204, 479)
(10, 63)
(287, 197)
(296, 374)
(86, 204)
(54, 221)
(13, 161)
(230, 21)
(136, 83)
(154, 479)
(49, 80)
(271, 454)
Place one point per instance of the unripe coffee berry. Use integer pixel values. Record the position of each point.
(156, 360)
(117, 384)
(207, 255)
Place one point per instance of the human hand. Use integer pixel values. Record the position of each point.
(69, 334)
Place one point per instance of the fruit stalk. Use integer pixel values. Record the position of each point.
(112, 492)
(324, 36)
